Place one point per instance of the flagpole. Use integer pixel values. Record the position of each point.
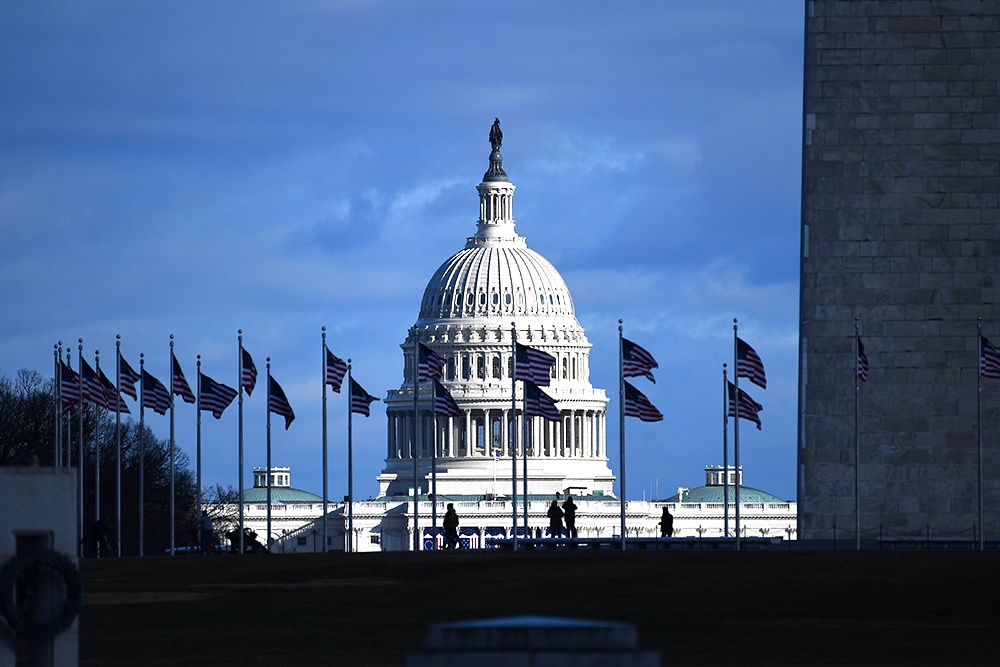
(511, 435)
(326, 493)
(736, 434)
(57, 449)
(197, 409)
(350, 469)
(267, 540)
(979, 431)
(97, 445)
(857, 437)
(434, 444)
(725, 450)
(415, 441)
(524, 453)
(68, 448)
(142, 452)
(621, 429)
(239, 338)
(79, 452)
(172, 531)
(118, 446)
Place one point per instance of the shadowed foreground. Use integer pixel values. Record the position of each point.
(696, 608)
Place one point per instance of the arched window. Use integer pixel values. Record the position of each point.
(481, 367)
(465, 367)
(565, 368)
(496, 366)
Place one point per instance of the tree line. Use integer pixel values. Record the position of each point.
(28, 427)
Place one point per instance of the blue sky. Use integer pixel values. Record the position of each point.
(195, 168)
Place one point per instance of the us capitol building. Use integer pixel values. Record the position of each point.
(493, 288)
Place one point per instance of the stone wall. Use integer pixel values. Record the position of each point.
(901, 174)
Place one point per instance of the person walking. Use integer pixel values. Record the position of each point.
(451, 528)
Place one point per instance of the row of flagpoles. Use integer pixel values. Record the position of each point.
(90, 385)
(989, 367)
(532, 367)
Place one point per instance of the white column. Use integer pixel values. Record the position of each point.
(452, 438)
(390, 437)
(571, 440)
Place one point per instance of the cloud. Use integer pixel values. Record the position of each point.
(195, 168)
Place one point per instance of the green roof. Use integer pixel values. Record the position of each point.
(279, 494)
(713, 494)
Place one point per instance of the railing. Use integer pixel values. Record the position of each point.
(883, 538)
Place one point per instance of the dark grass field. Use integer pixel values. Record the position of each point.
(696, 608)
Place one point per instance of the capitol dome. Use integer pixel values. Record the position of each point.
(491, 293)
(496, 277)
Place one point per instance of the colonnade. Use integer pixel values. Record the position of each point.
(482, 432)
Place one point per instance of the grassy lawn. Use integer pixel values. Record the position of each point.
(696, 608)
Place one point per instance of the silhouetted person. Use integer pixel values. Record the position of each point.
(205, 531)
(555, 515)
(569, 510)
(666, 523)
(451, 528)
(99, 538)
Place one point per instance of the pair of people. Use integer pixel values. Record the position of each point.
(556, 516)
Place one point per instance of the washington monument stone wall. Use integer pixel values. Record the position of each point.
(900, 229)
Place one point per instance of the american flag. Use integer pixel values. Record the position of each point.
(127, 377)
(69, 385)
(179, 384)
(747, 406)
(862, 361)
(444, 404)
(248, 375)
(154, 395)
(749, 365)
(360, 399)
(637, 361)
(539, 404)
(112, 398)
(335, 370)
(531, 365)
(93, 390)
(277, 402)
(214, 396)
(429, 364)
(637, 405)
(989, 359)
